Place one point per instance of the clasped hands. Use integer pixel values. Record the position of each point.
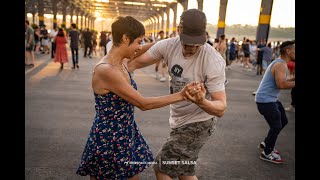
(194, 92)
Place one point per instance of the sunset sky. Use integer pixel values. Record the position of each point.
(247, 12)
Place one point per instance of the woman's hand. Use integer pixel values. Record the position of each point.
(188, 88)
(197, 93)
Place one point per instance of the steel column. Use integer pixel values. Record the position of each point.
(264, 20)
(222, 17)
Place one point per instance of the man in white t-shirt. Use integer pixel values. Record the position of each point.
(189, 58)
(53, 35)
(163, 65)
(109, 44)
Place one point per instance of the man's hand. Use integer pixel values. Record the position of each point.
(291, 79)
(197, 93)
(192, 86)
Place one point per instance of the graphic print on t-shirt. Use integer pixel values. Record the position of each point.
(177, 81)
(177, 70)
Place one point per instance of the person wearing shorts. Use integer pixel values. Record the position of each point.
(45, 39)
(189, 58)
(29, 44)
(260, 56)
(179, 154)
(266, 56)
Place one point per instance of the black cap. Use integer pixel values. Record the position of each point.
(193, 24)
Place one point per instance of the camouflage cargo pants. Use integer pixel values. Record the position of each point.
(178, 155)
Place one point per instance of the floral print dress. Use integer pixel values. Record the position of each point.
(115, 148)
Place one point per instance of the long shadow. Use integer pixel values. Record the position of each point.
(37, 68)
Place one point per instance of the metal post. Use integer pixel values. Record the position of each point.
(264, 20)
(222, 17)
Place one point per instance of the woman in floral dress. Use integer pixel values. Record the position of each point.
(115, 148)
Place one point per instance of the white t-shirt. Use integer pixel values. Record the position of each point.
(109, 46)
(53, 34)
(206, 66)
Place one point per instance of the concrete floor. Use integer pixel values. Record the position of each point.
(59, 111)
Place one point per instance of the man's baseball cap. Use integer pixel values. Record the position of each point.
(193, 24)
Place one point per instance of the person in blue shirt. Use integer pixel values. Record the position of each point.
(267, 100)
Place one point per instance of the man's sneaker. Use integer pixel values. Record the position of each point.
(272, 157)
(157, 75)
(254, 93)
(226, 82)
(162, 79)
(290, 109)
(262, 145)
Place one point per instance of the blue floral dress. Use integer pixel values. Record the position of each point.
(115, 148)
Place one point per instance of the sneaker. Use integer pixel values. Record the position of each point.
(290, 109)
(254, 93)
(157, 75)
(262, 145)
(162, 79)
(226, 82)
(272, 157)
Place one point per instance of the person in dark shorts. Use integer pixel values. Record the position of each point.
(29, 42)
(246, 52)
(261, 44)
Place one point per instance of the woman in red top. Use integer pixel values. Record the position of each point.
(61, 49)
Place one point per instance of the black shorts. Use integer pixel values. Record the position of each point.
(259, 60)
(232, 56)
(30, 48)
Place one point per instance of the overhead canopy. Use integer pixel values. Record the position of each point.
(140, 9)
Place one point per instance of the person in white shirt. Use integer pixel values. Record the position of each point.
(52, 36)
(109, 44)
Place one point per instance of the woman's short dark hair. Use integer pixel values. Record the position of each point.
(129, 26)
